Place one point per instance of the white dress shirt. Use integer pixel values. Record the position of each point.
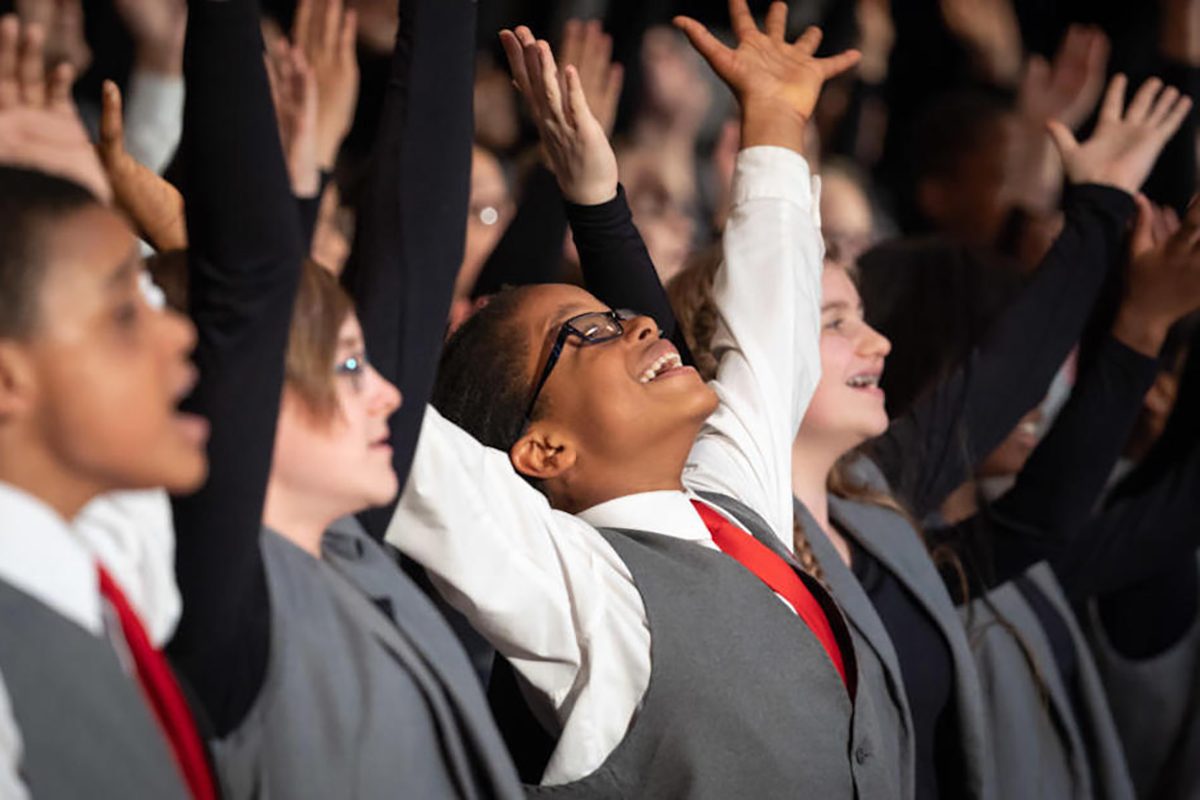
(54, 562)
(544, 586)
(153, 117)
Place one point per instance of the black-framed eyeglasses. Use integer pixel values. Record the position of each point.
(592, 327)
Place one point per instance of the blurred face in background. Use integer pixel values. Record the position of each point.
(847, 223)
(488, 214)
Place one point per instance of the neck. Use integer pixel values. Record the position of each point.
(656, 469)
(297, 518)
(810, 480)
(27, 466)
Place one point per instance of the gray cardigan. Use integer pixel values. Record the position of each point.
(1156, 705)
(367, 693)
(1043, 748)
(890, 538)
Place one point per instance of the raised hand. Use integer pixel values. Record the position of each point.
(325, 31)
(157, 28)
(588, 48)
(1163, 278)
(776, 83)
(294, 92)
(989, 29)
(1127, 140)
(61, 21)
(39, 124)
(574, 142)
(153, 205)
(1068, 88)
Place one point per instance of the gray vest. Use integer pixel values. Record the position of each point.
(1156, 704)
(743, 701)
(367, 693)
(1043, 749)
(892, 541)
(883, 761)
(86, 727)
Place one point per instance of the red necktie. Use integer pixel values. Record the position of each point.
(164, 694)
(775, 573)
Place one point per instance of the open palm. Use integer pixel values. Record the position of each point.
(764, 68)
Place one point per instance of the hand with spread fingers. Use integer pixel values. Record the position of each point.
(576, 148)
(294, 92)
(588, 48)
(1067, 88)
(325, 31)
(991, 32)
(1163, 283)
(776, 83)
(153, 205)
(61, 23)
(1127, 139)
(39, 124)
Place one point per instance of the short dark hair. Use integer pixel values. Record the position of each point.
(30, 201)
(482, 385)
(952, 127)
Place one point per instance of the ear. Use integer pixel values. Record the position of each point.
(17, 383)
(542, 453)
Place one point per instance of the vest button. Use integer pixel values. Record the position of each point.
(861, 755)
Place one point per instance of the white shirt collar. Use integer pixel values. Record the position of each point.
(666, 512)
(41, 556)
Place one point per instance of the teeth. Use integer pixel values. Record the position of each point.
(664, 363)
(861, 381)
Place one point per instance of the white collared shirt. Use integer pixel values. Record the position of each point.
(544, 586)
(56, 564)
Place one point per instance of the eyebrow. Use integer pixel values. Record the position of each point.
(350, 342)
(839, 305)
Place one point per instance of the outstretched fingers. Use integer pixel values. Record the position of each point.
(58, 88)
(741, 20)
(1114, 99)
(1143, 100)
(112, 124)
(10, 35)
(836, 65)
(707, 45)
(809, 41)
(31, 75)
(776, 25)
(514, 51)
(543, 74)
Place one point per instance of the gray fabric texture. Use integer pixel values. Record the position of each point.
(85, 725)
(367, 693)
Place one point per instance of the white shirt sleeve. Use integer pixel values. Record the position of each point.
(153, 118)
(767, 343)
(542, 586)
(11, 785)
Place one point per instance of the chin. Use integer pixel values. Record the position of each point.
(187, 475)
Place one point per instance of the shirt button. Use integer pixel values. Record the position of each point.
(861, 754)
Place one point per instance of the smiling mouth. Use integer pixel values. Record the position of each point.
(666, 363)
(868, 381)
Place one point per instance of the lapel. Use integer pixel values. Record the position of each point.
(856, 605)
(1107, 762)
(421, 639)
(889, 537)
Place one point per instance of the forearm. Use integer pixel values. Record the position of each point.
(244, 260)
(530, 251)
(934, 448)
(767, 293)
(616, 265)
(413, 221)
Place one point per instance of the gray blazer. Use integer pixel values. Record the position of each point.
(1043, 749)
(388, 703)
(892, 540)
(1156, 705)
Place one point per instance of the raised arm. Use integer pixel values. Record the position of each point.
(616, 265)
(244, 259)
(932, 450)
(768, 290)
(412, 219)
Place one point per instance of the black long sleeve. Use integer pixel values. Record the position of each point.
(933, 449)
(530, 251)
(616, 265)
(412, 221)
(244, 258)
(1057, 490)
